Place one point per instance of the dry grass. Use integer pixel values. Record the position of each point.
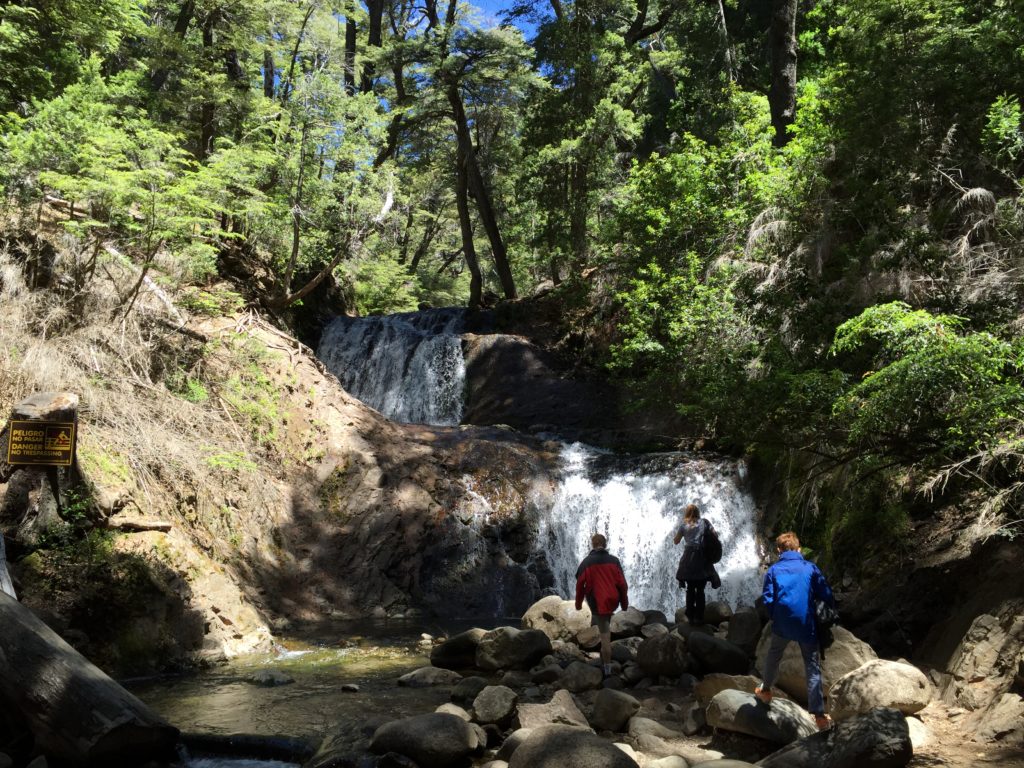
(138, 440)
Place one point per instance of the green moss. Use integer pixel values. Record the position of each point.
(102, 467)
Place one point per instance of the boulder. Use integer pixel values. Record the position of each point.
(1002, 721)
(724, 764)
(495, 704)
(845, 655)
(454, 709)
(717, 611)
(495, 764)
(656, 741)
(663, 655)
(672, 761)
(782, 722)
(561, 710)
(458, 652)
(510, 648)
(434, 740)
(557, 618)
(653, 630)
(717, 655)
(655, 617)
(467, 689)
(627, 623)
(612, 710)
(426, 677)
(745, 630)
(271, 678)
(560, 746)
(624, 650)
(588, 638)
(920, 736)
(513, 741)
(549, 673)
(878, 739)
(880, 683)
(579, 677)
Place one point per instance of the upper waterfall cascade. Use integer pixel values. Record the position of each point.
(408, 366)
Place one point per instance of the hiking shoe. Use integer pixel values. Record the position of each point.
(824, 722)
(764, 695)
(607, 670)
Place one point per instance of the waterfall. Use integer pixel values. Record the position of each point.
(408, 366)
(637, 503)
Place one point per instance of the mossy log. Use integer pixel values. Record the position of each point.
(76, 712)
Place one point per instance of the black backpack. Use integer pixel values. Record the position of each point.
(825, 617)
(712, 546)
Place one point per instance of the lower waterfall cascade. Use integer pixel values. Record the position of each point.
(410, 368)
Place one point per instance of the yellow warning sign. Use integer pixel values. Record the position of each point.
(49, 443)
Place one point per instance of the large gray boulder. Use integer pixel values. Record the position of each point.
(467, 689)
(745, 630)
(560, 746)
(664, 655)
(717, 611)
(845, 655)
(657, 741)
(561, 710)
(579, 677)
(434, 740)
(557, 618)
(458, 652)
(782, 722)
(612, 710)
(512, 743)
(706, 688)
(878, 739)
(510, 648)
(627, 623)
(495, 704)
(426, 677)
(880, 683)
(717, 655)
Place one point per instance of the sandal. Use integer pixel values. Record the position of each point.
(764, 695)
(824, 722)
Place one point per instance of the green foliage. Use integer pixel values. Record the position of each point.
(934, 389)
(382, 285)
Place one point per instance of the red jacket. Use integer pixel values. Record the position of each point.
(600, 579)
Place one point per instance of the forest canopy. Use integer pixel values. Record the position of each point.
(798, 224)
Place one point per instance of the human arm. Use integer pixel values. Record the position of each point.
(581, 589)
(678, 536)
(768, 593)
(623, 589)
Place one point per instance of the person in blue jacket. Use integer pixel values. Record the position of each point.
(791, 586)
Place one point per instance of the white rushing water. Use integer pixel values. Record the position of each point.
(408, 366)
(637, 503)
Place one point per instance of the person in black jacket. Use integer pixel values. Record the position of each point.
(693, 568)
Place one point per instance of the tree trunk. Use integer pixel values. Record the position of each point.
(374, 39)
(268, 73)
(76, 713)
(188, 9)
(207, 112)
(723, 33)
(476, 280)
(782, 48)
(350, 48)
(481, 194)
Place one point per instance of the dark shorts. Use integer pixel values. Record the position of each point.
(603, 622)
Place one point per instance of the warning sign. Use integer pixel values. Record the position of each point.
(49, 443)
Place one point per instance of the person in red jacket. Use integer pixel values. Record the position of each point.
(600, 580)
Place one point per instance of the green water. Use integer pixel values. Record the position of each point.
(223, 700)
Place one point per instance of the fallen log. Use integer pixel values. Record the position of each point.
(75, 711)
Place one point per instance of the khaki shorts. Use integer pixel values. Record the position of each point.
(603, 622)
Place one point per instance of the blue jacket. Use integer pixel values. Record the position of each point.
(791, 586)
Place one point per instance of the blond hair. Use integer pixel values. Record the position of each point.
(787, 542)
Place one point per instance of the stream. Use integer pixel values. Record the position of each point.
(410, 368)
